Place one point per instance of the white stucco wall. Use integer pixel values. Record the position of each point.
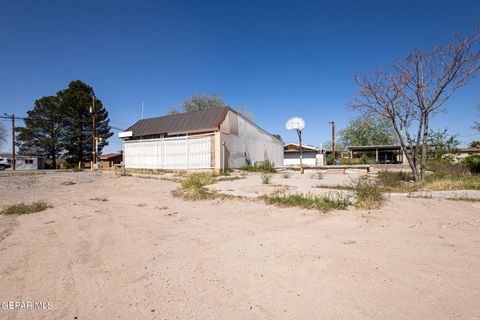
(245, 142)
(293, 159)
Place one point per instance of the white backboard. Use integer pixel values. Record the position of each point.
(295, 123)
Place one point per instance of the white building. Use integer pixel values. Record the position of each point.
(208, 139)
(311, 155)
(23, 162)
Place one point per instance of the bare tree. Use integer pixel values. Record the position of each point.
(413, 90)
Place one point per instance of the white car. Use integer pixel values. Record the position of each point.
(5, 163)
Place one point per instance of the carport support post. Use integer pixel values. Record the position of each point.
(299, 132)
(376, 155)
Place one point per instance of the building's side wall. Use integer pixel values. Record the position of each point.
(169, 153)
(245, 144)
(27, 164)
(293, 159)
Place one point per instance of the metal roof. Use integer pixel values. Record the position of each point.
(189, 122)
(305, 147)
(374, 147)
(107, 156)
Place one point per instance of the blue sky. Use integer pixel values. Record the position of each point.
(278, 59)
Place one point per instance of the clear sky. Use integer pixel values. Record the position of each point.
(278, 59)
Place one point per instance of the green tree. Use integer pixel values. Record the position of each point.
(76, 103)
(43, 131)
(205, 102)
(474, 144)
(368, 132)
(442, 146)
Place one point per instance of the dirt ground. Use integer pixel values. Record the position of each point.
(124, 248)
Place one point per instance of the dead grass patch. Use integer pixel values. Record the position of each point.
(322, 203)
(26, 208)
(367, 196)
(99, 199)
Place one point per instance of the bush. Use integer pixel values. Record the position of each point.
(23, 208)
(266, 178)
(442, 169)
(473, 163)
(260, 167)
(286, 175)
(350, 161)
(364, 159)
(196, 180)
(193, 186)
(317, 175)
(323, 203)
(330, 159)
(367, 196)
(393, 179)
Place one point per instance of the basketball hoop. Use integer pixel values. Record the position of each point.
(298, 124)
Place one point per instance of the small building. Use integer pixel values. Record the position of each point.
(108, 160)
(385, 154)
(208, 139)
(311, 155)
(462, 153)
(25, 162)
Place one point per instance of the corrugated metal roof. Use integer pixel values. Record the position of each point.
(107, 156)
(189, 122)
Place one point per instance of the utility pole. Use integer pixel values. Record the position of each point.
(333, 140)
(299, 132)
(94, 140)
(13, 143)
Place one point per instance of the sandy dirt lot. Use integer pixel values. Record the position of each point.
(124, 248)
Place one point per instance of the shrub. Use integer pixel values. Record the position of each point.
(330, 159)
(441, 168)
(364, 159)
(367, 195)
(193, 186)
(350, 161)
(317, 175)
(196, 180)
(23, 208)
(286, 175)
(393, 179)
(260, 167)
(473, 163)
(323, 203)
(266, 178)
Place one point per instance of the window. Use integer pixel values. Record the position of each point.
(29, 161)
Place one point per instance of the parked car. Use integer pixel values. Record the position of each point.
(5, 163)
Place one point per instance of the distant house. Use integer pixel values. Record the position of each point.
(311, 156)
(393, 154)
(462, 153)
(386, 154)
(208, 139)
(25, 162)
(108, 160)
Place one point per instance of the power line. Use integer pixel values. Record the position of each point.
(8, 118)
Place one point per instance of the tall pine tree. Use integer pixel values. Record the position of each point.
(75, 104)
(43, 131)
